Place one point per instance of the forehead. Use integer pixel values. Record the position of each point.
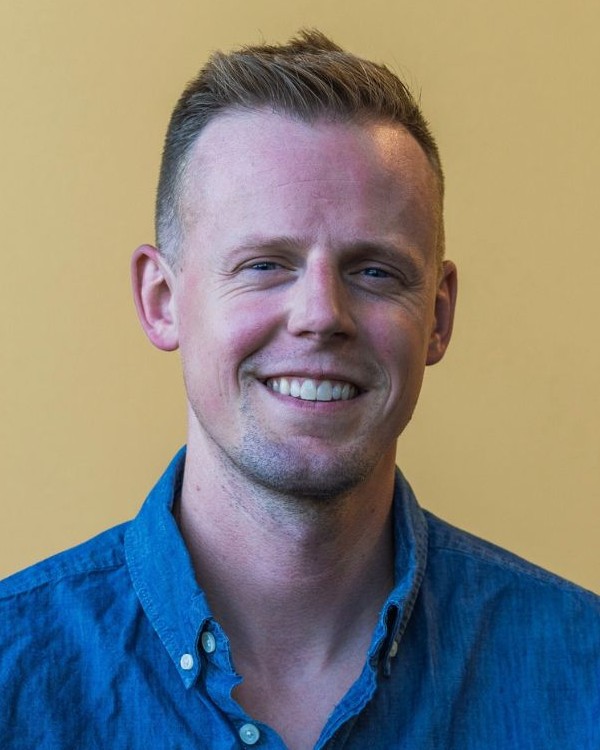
(252, 163)
(243, 136)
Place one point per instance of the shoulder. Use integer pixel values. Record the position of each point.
(480, 569)
(95, 557)
(56, 613)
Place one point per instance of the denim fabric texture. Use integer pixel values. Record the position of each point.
(113, 645)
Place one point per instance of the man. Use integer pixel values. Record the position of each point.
(281, 587)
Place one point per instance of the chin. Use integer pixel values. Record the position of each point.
(304, 474)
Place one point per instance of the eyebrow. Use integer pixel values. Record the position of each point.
(286, 242)
(262, 244)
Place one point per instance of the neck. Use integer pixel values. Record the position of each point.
(280, 567)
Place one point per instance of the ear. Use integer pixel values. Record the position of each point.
(153, 292)
(445, 302)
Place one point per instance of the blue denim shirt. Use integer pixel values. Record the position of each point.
(113, 645)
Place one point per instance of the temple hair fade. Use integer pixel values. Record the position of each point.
(309, 78)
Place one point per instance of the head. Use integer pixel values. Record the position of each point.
(309, 79)
(299, 270)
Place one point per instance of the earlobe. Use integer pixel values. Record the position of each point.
(445, 303)
(153, 292)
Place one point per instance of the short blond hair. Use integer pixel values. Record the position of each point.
(309, 78)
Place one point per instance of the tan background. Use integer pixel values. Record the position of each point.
(506, 440)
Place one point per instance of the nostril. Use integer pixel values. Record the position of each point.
(321, 320)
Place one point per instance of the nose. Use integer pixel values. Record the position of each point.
(320, 305)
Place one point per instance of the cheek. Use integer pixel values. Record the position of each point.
(401, 345)
(218, 335)
(390, 336)
(245, 327)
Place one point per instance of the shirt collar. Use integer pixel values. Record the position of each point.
(410, 561)
(163, 576)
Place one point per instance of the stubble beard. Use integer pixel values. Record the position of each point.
(286, 472)
(299, 475)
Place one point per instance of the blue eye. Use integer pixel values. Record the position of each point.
(376, 273)
(264, 265)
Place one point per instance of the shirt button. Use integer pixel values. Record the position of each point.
(249, 734)
(209, 643)
(393, 649)
(186, 662)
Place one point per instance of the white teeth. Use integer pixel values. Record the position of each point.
(308, 389)
(325, 391)
(308, 392)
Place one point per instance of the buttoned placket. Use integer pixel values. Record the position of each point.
(219, 679)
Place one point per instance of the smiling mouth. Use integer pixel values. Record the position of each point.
(309, 389)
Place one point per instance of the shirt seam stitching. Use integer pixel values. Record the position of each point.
(53, 580)
(546, 578)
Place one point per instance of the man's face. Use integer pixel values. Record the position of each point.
(306, 297)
